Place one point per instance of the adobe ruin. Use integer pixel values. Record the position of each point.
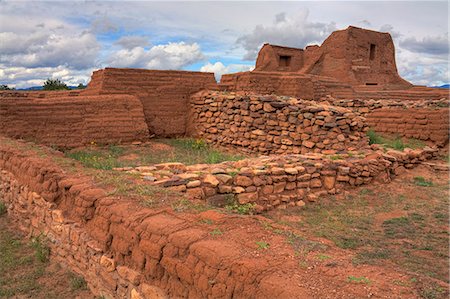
(307, 110)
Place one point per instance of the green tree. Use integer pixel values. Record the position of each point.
(55, 84)
(81, 86)
(5, 87)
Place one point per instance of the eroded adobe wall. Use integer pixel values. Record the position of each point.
(420, 119)
(164, 94)
(274, 125)
(424, 124)
(70, 121)
(270, 83)
(126, 251)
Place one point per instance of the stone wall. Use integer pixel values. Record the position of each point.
(70, 121)
(124, 250)
(282, 181)
(164, 94)
(274, 125)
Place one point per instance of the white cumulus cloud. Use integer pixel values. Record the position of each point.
(218, 68)
(169, 56)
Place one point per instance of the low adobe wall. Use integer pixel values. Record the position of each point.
(279, 83)
(274, 125)
(71, 121)
(424, 124)
(420, 119)
(282, 181)
(126, 251)
(164, 94)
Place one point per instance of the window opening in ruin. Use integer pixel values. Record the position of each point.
(372, 52)
(371, 83)
(285, 60)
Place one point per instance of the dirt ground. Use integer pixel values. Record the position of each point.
(27, 272)
(383, 236)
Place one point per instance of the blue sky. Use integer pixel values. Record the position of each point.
(70, 39)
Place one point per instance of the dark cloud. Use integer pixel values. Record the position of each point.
(434, 45)
(132, 41)
(286, 30)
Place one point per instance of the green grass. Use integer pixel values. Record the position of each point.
(15, 256)
(183, 150)
(396, 142)
(41, 250)
(416, 240)
(244, 209)
(216, 232)
(77, 282)
(361, 279)
(421, 181)
(2, 208)
(262, 245)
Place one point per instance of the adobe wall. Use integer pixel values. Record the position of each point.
(164, 94)
(424, 124)
(268, 59)
(126, 251)
(424, 120)
(71, 121)
(274, 125)
(354, 56)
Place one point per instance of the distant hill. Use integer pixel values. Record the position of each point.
(40, 88)
(442, 86)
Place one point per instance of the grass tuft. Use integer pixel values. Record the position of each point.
(422, 182)
(2, 208)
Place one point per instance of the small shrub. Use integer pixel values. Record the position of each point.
(262, 245)
(421, 181)
(2, 208)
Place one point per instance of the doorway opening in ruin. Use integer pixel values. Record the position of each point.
(285, 60)
(372, 52)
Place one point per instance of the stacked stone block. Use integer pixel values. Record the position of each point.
(274, 125)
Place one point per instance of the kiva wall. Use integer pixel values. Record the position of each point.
(274, 125)
(164, 94)
(70, 121)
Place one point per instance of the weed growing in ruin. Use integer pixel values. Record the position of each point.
(41, 250)
(262, 245)
(185, 205)
(77, 282)
(243, 209)
(396, 142)
(370, 256)
(421, 181)
(94, 159)
(361, 279)
(2, 208)
(216, 232)
(207, 221)
(323, 257)
(374, 138)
